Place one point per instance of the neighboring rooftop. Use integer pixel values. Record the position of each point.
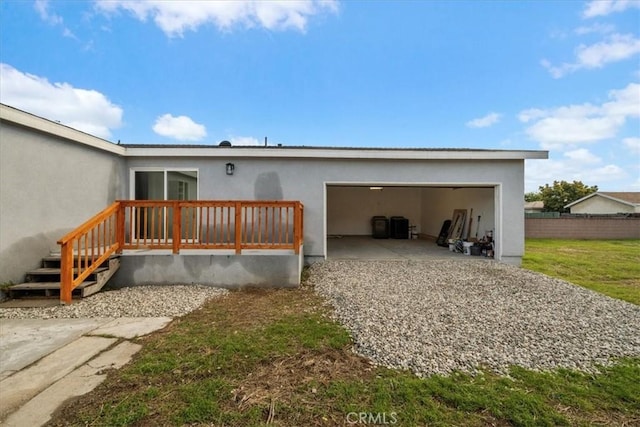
(630, 198)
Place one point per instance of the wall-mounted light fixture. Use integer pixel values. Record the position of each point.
(375, 188)
(230, 167)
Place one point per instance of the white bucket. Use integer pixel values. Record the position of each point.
(466, 248)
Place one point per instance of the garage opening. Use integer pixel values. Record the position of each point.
(351, 207)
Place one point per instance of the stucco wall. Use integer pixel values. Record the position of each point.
(349, 209)
(600, 205)
(305, 179)
(49, 186)
(438, 205)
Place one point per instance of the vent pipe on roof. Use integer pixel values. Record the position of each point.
(265, 141)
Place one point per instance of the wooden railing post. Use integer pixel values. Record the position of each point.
(66, 272)
(238, 215)
(297, 227)
(177, 224)
(120, 226)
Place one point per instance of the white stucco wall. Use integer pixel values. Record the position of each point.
(600, 205)
(438, 205)
(306, 180)
(48, 187)
(349, 209)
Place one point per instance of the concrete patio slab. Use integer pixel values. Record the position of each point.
(131, 327)
(25, 341)
(39, 410)
(27, 383)
(45, 362)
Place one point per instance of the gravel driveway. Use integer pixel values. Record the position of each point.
(434, 317)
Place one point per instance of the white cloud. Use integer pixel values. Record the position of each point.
(181, 128)
(42, 7)
(176, 17)
(86, 110)
(616, 47)
(541, 172)
(584, 123)
(531, 114)
(605, 7)
(633, 144)
(583, 156)
(597, 28)
(244, 140)
(52, 18)
(486, 121)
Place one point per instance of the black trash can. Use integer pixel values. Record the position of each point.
(380, 227)
(399, 226)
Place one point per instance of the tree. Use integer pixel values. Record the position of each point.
(561, 193)
(532, 197)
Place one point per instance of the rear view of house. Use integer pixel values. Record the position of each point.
(54, 178)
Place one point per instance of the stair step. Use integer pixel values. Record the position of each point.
(45, 282)
(46, 290)
(47, 271)
(45, 285)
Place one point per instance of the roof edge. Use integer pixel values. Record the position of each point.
(40, 124)
(606, 196)
(335, 153)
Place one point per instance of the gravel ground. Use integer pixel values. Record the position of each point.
(137, 301)
(434, 317)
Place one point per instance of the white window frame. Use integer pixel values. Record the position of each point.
(165, 170)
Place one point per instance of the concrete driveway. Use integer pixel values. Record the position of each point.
(368, 248)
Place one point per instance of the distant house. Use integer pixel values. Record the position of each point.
(606, 203)
(533, 207)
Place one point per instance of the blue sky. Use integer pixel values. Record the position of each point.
(562, 76)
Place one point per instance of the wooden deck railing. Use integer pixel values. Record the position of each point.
(84, 249)
(176, 225)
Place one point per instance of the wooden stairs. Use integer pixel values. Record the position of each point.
(44, 282)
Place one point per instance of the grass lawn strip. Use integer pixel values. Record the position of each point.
(611, 267)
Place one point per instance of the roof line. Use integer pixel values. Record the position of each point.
(40, 124)
(601, 195)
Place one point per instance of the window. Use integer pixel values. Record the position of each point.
(161, 184)
(165, 184)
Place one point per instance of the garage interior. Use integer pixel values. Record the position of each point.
(350, 209)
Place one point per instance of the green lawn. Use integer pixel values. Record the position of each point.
(611, 267)
(275, 357)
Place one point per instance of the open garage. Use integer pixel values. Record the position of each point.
(415, 211)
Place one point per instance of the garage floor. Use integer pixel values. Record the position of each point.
(365, 247)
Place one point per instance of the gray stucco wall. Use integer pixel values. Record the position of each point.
(228, 271)
(305, 179)
(48, 187)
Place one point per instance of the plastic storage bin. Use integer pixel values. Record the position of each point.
(380, 227)
(399, 226)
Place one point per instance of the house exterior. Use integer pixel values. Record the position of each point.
(54, 177)
(533, 207)
(602, 202)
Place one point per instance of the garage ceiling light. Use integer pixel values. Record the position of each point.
(375, 188)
